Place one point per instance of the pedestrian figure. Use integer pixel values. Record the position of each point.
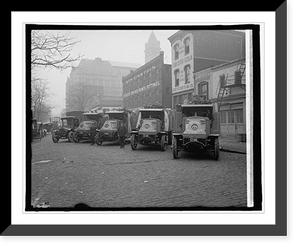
(93, 133)
(121, 133)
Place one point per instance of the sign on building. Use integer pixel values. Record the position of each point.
(183, 64)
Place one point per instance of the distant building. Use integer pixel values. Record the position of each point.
(197, 50)
(96, 83)
(152, 48)
(149, 84)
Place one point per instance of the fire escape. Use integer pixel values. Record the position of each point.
(226, 83)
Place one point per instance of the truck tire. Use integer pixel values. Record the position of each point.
(75, 138)
(175, 148)
(133, 143)
(163, 143)
(70, 136)
(97, 140)
(216, 152)
(55, 139)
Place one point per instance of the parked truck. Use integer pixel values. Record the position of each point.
(154, 127)
(82, 132)
(108, 128)
(66, 130)
(196, 129)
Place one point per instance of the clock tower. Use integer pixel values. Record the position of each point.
(152, 48)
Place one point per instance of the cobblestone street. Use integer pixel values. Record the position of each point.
(106, 176)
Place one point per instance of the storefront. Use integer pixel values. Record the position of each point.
(232, 117)
(182, 97)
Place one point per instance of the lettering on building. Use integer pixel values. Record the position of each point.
(141, 89)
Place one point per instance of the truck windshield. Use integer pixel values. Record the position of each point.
(110, 125)
(119, 116)
(196, 111)
(85, 125)
(152, 114)
(67, 122)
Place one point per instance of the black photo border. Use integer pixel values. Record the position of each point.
(278, 229)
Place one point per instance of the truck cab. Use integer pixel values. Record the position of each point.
(195, 130)
(153, 128)
(66, 130)
(111, 123)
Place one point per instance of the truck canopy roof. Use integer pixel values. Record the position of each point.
(68, 117)
(197, 105)
(147, 110)
(114, 112)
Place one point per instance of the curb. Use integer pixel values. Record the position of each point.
(232, 151)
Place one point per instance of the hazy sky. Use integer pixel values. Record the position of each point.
(113, 45)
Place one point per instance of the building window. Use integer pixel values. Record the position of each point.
(180, 99)
(239, 116)
(176, 50)
(230, 117)
(237, 77)
(223, 117)
(176, 74)
(187, 70)
(175, 101)
(186, 46)
(183, 98)
(203, 90)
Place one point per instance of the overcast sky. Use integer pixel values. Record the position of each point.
(113, 45)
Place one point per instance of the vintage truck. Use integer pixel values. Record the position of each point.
(66, 130)
(196, 129)
(154, 127)
(108, 128)
(82, 132)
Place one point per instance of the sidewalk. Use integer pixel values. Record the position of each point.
(231, 145)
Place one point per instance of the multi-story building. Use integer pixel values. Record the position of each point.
(196, 50)
(225, 86)
(149, 84)
(96, 83)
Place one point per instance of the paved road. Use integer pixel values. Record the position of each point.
(64, 174)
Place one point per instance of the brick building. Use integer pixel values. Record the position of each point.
(149, 84)
(197, 50)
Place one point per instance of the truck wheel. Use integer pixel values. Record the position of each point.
(55, 139)
(163, 143)
(216, 149)
(97, 140)
(133, 143)
(175, 148)
(70, 136)
(75, 138)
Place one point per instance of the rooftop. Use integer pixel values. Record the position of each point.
(124, 64)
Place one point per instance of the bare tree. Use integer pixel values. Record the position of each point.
(39, 99)
(51, 50)
(81, 96)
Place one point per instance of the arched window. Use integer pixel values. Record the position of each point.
(186, 45)
(187, 73)
(176, 51)
(176, 76)
(203, 90)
